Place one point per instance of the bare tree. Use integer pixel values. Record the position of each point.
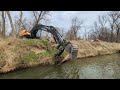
(94, 32)
(100, 30)
(11, 23)
(85, 34)
(0, 28)
(75, 27)
(38, 16)
(117, 31)
(3, 24)
(117, 25)
(102, 20)
(19, 21)
(113, 18)
(107, 27)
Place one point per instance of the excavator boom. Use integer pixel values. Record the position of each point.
(62, 44)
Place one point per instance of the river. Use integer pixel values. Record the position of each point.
(99, 67)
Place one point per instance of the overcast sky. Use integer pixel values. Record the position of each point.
(62, 19)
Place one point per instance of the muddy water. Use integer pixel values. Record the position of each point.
(100, 67)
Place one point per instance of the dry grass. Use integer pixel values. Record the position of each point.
(22, 53)
(87, 49)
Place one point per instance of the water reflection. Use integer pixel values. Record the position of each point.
(112, 70)
(91, 72)
(101, 67)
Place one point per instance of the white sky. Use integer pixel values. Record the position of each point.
(62, 19)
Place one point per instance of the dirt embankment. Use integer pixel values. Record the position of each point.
(22, 53)
(89, 49)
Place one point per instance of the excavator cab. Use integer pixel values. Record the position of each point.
(24, 32)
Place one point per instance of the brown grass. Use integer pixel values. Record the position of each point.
(13, 51)
(87, 49)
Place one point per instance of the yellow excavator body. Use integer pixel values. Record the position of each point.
(24, 33)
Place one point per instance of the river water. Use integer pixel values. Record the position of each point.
(100, 67)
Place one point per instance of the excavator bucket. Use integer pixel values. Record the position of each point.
(72, 50)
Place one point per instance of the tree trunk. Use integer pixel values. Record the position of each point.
(20, 20)
(3, 24)
(111, 34)
(11, 23)
(117, 39)
(0, 29)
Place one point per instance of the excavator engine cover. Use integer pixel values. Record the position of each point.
(24, 33)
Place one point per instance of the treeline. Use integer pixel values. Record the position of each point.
(18, 20)
(105, 28)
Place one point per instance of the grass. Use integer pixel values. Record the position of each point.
(18, 53)
(30, 56)
(31, 42)
(88, 49)
(2, 55)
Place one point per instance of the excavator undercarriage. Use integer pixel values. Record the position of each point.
(72, 49)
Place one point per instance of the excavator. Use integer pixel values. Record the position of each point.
(63, 44)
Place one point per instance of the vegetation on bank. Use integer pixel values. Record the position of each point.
(89, 49)
(23, 53)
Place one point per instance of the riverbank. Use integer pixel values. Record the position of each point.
(90, 49)
(23, 53)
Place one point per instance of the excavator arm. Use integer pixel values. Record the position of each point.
(62, 44)
(50, 29)
(56, 35)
